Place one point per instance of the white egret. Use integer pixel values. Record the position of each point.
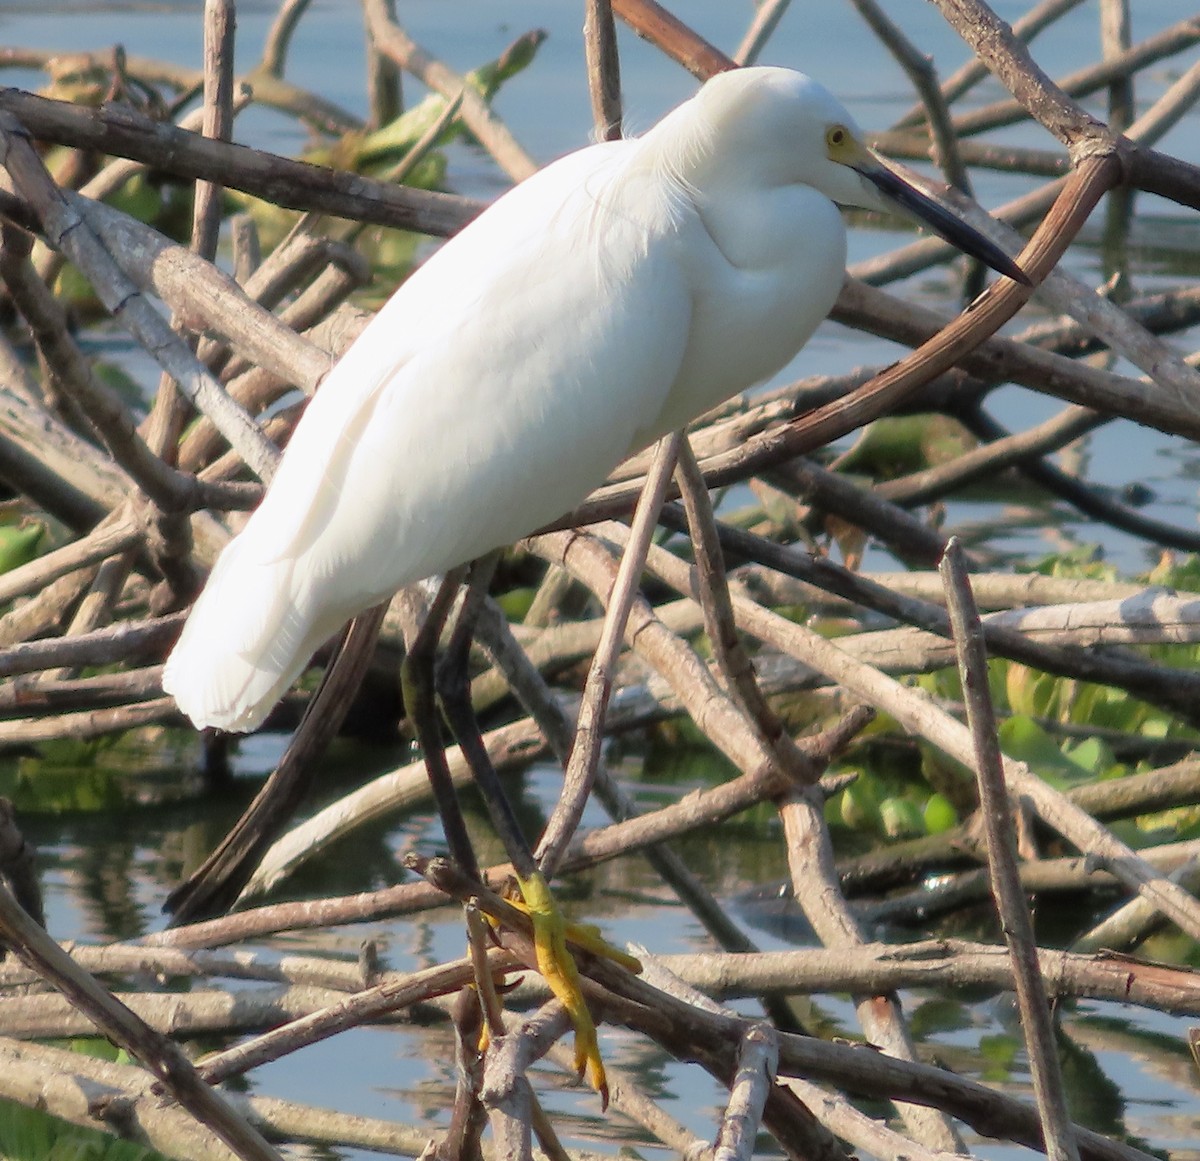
(610, 298)
(605, 301)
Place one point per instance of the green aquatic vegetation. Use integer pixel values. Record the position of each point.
(31, 1135)
(97, 774)
(20, 542)
(900, 444)
(1001, 1055)
(1044, 722)
(370, 152)
(387, 153)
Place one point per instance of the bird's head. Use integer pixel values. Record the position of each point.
(780, 127)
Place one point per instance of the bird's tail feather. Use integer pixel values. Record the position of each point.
(247, 639)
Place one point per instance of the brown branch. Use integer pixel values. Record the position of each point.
(603, 69)
(920, 71)
(652, 22)
(66, 230)
(108, 414)
(156, 1052)
(477, 115)
(1039, 96)
(216, 884)
(279, 36)
(584, 759)
(123, 132)
(1039, 17)
(1001, 845)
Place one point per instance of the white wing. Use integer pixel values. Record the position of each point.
(498, 386)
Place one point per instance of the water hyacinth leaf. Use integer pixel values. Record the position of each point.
(1092, 754)
(939, 1014)
(387, 145)
(860, 805)
(1001, 1054)
(19, 544)
(901, 817)
(898, 445)
(1029, 691)
(939, 814)
(1022, 738)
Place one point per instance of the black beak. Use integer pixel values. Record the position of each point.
(940, 219)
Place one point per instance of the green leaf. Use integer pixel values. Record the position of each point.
(940, 814)
(32, 1135)
(939, 1014)
(1023, 739)
(1000, 1053)
(1091, 755)
(387, 144)
(19, 544)
(901, 444)
(860, 807)
(516, 602)
(901, 818)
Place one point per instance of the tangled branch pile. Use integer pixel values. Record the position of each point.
(140, 507)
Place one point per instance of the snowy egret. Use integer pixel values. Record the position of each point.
(605, 301)
(612, 297)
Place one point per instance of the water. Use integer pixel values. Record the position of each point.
(106, 879)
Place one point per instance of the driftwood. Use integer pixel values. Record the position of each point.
(142, 506)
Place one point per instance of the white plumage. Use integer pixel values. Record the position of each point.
(608, 299)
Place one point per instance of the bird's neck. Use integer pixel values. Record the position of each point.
(679, 149)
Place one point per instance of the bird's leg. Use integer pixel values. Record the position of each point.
(214, 887)
(550, 929)
(453, 683)
(420, 703)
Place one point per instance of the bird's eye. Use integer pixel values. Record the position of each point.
(836, 136)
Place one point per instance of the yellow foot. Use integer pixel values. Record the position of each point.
(556, 963)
